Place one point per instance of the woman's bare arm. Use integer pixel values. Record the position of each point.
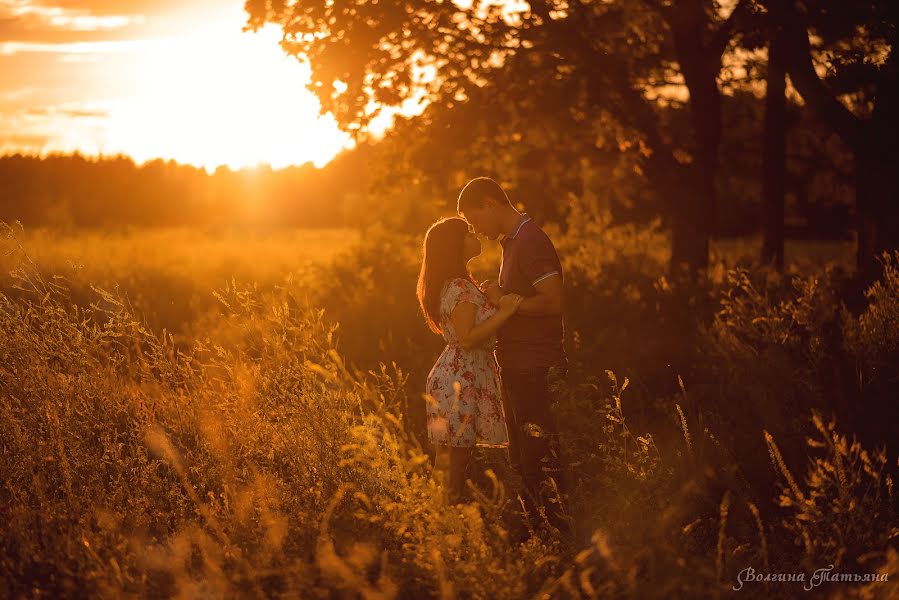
(471, 335)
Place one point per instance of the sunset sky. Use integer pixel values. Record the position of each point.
(155, 78)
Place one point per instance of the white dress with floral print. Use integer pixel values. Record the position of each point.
(464, 404)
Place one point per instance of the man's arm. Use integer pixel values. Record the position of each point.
(549, 298)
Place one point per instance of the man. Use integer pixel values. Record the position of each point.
(529, 345)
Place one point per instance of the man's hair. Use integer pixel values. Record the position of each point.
(478, 192)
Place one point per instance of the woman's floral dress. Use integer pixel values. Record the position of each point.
(464, 402)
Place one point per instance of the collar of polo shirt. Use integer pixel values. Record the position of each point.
(521, 221)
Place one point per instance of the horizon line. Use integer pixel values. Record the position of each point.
(99, 157)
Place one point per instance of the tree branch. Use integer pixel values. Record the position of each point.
(819, 97)
(725, 32)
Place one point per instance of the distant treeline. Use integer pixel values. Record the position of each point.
(407, 180)
(77, 191)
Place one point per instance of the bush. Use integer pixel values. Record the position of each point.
(846, 515)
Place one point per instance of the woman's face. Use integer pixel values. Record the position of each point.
(471, 246)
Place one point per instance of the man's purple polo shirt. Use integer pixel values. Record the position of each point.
(529, 341)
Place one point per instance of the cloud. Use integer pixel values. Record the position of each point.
(67, 21)
(17, 142)
(63, 127)
(67, 112)
(74, 48)
(123, 7)
(85, 114)
(77, 22)
(106, 8)
(22, 21)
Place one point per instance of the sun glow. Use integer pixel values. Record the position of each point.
(189, 85)
(219, 96)
(194, 87)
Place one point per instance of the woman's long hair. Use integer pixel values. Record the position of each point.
(442, 259)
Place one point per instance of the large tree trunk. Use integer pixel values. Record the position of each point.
(694, 222)
(871, 140)
(877, 170)
(774, 157)
(877, 209)
(675, 185)
(685, 191)
(690, 223)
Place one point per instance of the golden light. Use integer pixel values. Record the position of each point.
(218, 96)
(190, 86)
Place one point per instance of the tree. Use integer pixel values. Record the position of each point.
(848, 78)
(608, 56)
(774, 149)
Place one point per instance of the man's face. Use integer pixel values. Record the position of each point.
(482, 222)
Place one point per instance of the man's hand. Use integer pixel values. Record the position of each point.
(492, 290)
(509, 303)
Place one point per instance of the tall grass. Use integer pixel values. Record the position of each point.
(168, 274)
(276, 451)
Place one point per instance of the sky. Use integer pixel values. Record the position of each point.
(172, 79)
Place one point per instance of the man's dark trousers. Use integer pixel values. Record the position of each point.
(532, 434)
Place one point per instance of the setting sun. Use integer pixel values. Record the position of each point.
(222, 96)
(196, 89)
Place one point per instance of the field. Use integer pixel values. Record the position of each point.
(270, 442)
(169, 275)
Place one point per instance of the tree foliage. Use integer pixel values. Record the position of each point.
(619, 64)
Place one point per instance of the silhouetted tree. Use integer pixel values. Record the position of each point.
(774, 159)
(606, 55)
(857, 96)
(77, 191)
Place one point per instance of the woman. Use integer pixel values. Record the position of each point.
(464, 402)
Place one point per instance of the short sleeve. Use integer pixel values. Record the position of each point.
(457, 291)
(539, 259)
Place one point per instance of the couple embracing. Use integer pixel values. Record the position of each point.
(490, 385)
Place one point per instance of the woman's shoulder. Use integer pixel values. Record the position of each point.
(462, 282)
(461, 289)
